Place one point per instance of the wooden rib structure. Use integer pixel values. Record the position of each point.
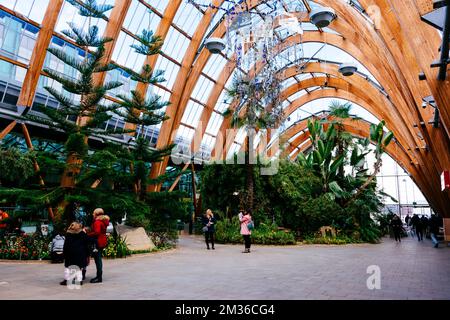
(395, 46)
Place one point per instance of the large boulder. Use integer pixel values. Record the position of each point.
(136, 238)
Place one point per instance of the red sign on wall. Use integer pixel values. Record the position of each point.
(445, 180)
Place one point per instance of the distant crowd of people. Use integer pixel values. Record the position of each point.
(418, 226)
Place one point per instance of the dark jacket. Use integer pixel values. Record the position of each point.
(396, 224)
(76, 250)
(98, 232)
(210, 223)
(435, 223)
(416, 223)
(424, 221)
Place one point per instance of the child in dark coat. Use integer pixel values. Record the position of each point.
(76, 252)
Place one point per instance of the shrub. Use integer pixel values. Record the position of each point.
(116, 247)
(25, 247)
(229, 232)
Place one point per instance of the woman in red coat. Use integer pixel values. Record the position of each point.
(98, 232)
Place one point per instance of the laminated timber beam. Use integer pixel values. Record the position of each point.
(399, 45)
(39, 53)
(161, 31)
(113, 28)
(381, 107)
(173, 110)
(112, 31)
(30, 82)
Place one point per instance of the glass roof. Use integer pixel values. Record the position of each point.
(147, 14)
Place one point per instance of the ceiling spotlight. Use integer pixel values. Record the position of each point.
(348, 69)
(322, 17)
(215, 45)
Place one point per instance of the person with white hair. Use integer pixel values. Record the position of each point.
(98, 232)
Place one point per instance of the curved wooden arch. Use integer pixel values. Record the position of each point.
(161, 31)
(314, 36)
(380, 105)
(362, 101)
(395, 84)
(326, 93)
(167, 127)
(383, 58)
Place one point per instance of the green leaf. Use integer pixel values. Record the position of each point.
(388, 138)
(317, 157)
(321, 147)
(336, 164)
(336, 189)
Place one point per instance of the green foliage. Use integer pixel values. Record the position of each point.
(76, 144)
(16, 166)
(113, 176)
(90, 8)
(228, 231)
(314, 191)
(116, 247)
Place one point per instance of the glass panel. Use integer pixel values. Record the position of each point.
(160, 5)
(192, 113)
(139, 17)
(171, 71)
(69, 13)
(187, 18)
(124, 55)
(32, 9)
(214, 124)
(175, 44)
(17, 37)
(202, 89)
(11, 73)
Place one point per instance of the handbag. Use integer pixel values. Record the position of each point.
(205, 229)
(250, 225)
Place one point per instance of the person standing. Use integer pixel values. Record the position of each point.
(407, 219)
(435, 223)
(76, 252)
(424, 221)
(417, 224)
(208, 222)
(396, 225)
(98, 232)
(245, 218)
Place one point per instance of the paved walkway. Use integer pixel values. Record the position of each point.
(410, 270)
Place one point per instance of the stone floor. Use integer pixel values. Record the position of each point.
(410, 270)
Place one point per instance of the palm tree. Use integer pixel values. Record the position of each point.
(344, 139)
(259, 107)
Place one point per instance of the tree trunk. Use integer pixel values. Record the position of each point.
(73, 168)
(250, 178)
